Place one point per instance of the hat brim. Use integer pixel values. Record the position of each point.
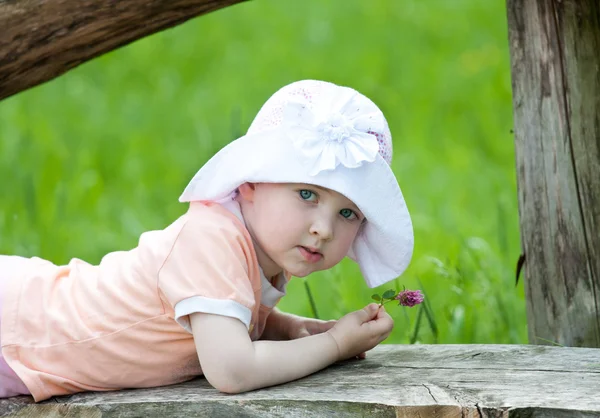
(384, 245)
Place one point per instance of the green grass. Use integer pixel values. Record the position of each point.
(91, 160)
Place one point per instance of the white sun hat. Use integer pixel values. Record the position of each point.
(316, 132)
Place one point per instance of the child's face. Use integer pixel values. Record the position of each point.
(299, 228)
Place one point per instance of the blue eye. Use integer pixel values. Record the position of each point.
(348, 214)
(306, 194)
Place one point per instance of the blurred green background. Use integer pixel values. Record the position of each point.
(91, 160)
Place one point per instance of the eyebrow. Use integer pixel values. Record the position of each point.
(318, 187)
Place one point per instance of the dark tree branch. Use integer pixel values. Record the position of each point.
(42, 39)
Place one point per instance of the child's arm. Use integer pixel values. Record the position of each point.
(233, 363)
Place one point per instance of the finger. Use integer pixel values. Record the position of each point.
(327, 325)
(368, 312)
(380, 316)
(301, 333)
(318, 327)
(381, 325)
(381, 312)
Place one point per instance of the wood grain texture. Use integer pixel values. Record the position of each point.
(394, 381)
(42, 39)
(555, 66)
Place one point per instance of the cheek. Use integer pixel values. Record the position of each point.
(344, 239)
(278, 224)
(270, 224)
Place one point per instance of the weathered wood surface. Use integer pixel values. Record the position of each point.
(394, 381)
(555, 64)
(42, 39)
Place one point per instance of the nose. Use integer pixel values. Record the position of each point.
(322, 228)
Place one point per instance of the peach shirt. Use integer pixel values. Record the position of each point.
(124, 323)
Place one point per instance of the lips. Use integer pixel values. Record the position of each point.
(310, 254)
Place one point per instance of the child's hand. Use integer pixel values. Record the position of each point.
(299, 327)
(361, 330)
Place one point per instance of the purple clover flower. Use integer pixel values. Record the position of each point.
(409, 298)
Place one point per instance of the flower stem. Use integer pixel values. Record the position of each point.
(384, 302)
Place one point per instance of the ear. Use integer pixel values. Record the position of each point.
(247, 191)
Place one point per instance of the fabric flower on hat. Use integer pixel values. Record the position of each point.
(342, 133)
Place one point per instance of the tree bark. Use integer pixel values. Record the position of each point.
(42, 39)
(555, 65)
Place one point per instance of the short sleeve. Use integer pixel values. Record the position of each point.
(207, 269)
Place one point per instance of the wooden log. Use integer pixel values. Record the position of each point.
(394, 381)
(555, 65)
(42, 39)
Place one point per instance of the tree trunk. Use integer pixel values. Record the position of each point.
(42, 39)
(555, 64)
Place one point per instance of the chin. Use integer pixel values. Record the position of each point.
(297, 271)
(303, 271)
